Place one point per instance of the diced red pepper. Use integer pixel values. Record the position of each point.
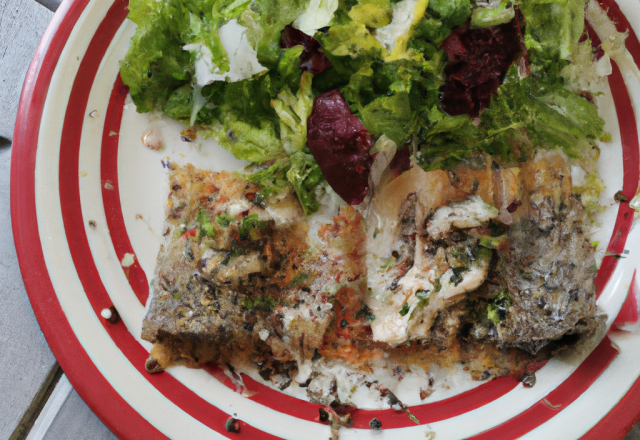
(189, 233)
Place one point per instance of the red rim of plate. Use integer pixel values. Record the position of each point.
(96, 391)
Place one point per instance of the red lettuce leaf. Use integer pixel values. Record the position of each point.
(478, 62)
(312, 59)
(340, 144)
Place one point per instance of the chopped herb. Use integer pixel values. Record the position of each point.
(491, 242)
(496, 229)
(224, 219)
(177, 296)
(492, 314)
(261, 303)
(456, 278)
(248, 227)
(423, 296)
(344, 323)
(370, 317)
(299, 279)
(595, 244)
(404, 310)
(496, 310)
(393, 400)
(206, 227)
(388, 264)
(259, 200)
(376, 231)
(618, 197)
(437, 285)
(363, 312)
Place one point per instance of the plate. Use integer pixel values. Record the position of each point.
(85, 192)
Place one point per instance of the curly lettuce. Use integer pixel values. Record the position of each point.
(156, 65)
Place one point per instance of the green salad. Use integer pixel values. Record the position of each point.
(443, 79)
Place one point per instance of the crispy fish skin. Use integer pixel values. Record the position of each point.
(549, 274)
(224, 294)
(548, 267)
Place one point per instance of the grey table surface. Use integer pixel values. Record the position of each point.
(36, 400)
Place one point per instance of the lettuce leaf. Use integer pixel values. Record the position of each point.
(265, 21)
(156, 65)
(298, 171)
(550, 115)
(448, 140)
(293, 111)
(249, 142)
(441, 17)
(389, 97)
(389, 115)
(372, 13)
(553, 27)
(537, 111)
(305, 175)
(485, 17)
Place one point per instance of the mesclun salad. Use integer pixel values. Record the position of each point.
(247, 73)
(421, 177)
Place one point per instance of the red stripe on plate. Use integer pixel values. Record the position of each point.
(614, 12)
(619, 421)
(390, 418)
(558, 399)
(111, 190)
(629, 311)
(266, 396)
(442, 410)
(94, 389)
(631, 166)
(171, 388)
(23, 163)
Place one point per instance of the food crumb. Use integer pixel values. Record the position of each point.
(128, 260)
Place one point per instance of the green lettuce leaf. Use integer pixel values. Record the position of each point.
(265, 21)
(298, 171)
(389, 97)
(448, 140)
(526, 113)
(305, 175)
(372, 13)
(553, 27)
(389, 115)
(156, 65)
(293, 111)
(441, 17)
(550, 115)
(248, 142)
(485, 17)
